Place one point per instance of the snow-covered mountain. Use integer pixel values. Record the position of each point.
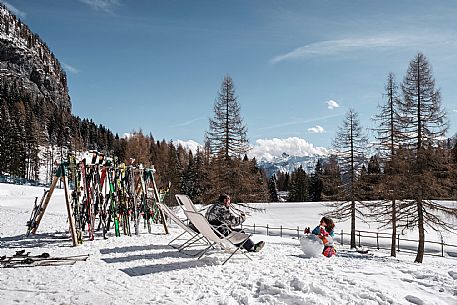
(27, 64)
(287, 163)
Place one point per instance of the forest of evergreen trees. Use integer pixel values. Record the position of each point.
(33, 132)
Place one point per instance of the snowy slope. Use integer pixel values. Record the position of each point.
(287, 164)
(144, 270)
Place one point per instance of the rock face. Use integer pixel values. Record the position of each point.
(27, 63)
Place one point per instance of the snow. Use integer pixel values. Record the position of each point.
(311, 245)
(145, 270)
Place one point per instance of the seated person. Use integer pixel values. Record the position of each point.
(220, 216)
(325, 232)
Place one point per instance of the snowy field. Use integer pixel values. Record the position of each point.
(145, 270)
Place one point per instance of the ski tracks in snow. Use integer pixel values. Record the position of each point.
(145, 270)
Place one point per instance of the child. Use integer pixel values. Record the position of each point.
(325, 232)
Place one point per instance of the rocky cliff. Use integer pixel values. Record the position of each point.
(27, 64)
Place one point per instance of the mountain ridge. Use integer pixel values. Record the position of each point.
(288, 163)
(28, 66)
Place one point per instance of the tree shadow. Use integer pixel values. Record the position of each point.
(348, 254)
(451, 254)
(302, 256)
(148, 256)
(156, 268)
(133, 248)
(59, 239)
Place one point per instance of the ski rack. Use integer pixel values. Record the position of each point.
(121, 193)
(147, 178)
(60, 175)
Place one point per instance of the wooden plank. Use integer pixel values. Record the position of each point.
(45, 204)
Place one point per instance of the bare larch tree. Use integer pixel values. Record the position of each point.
(350, 143)
(227, 132)
(426, 125)
(389, 136)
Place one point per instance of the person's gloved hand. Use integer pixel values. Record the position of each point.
(323, 232)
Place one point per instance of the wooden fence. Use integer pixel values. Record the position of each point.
(364, 238)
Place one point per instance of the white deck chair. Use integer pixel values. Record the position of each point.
(185, 202)
(194, 236)
(215, 237)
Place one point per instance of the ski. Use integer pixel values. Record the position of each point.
(20, 264)
(82, 257)
(37, 209)
(23, 259)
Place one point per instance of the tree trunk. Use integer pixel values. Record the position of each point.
(393, 251)
(420, 226)
(353, 245)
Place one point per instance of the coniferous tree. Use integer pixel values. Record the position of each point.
(316, 184)
(298, 190)
(19, 140)
(370, 179)
(32, 148)
(256, 180)
(350, 143)
(137, 148)
(331, 179)
(188, 179)
(6, 136)
(283, 180)
(227, 132)
(226, 141)
(426, 119)
(389, 135)
(173, 171)
(195, 180)
(426, 124)
(120, 148)
(273, 189)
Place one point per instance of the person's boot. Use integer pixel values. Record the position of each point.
(258, 246)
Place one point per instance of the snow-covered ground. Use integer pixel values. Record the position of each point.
(145, 270)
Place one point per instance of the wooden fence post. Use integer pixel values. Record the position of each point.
(359, 238)
(342, 239)
(398, 242)
(254, 228)
(442, 247)
(280, 231)
(298, 232)
(267, 229)
(377, 240)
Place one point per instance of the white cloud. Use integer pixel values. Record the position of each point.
(316, 129)
(70, 69)
(455, 110)
(106, 6)
(331, 104)
(300, 122)
(189, 145)
(190, 122)
(332, 47)
(15, 10)
(269, 148)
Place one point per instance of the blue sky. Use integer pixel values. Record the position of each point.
(297, 66)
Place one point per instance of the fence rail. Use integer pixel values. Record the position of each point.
(21, 181)
(364, 238)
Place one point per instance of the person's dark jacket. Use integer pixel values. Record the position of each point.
(219, 214)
